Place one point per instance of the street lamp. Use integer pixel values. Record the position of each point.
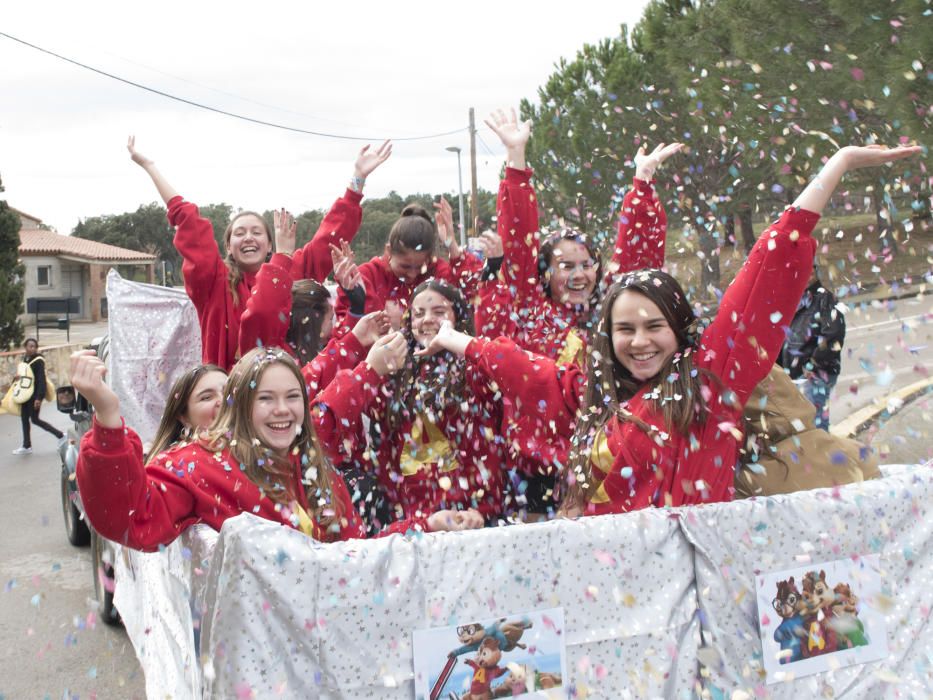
(456, 149)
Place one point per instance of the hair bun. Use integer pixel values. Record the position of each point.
(417, 210)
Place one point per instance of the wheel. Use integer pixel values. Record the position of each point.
(75, 528)
(104, 581)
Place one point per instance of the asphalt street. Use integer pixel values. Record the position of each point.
(51, 643)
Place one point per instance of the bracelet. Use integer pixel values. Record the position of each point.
(356, 183)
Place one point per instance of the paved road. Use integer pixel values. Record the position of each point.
(888, 345)
(51, 644)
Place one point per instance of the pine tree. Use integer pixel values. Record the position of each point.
(11, 283)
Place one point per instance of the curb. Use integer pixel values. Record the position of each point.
(862, 418)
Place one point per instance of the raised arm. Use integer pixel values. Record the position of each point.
(517, 210)
(642, 230)
(342, 221)
(742, 343)
(121, 501)
(166, 191)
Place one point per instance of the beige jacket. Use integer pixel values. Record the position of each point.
(792, 453)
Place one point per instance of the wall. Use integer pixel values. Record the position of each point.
(68, 279)
(57, 360)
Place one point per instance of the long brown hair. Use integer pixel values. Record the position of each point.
(676, 393)
(234, 273)
(233, 430)
(310, 305)
(429, 384)
(171, 428)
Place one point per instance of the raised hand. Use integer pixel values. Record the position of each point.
(137, 157)
(286, 229)
(367, 160)
(371, 328)
(455, 520)
(511, 132)
(346, 272)
(867, 156)
(646, 164)
(490, 244)
(87, 376)
(387, 355)
(395, 312)
(444, 218)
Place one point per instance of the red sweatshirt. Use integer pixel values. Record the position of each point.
(383, 285)
(457, 461)
(517, 306)
(206, 276)
(739, 347)
(267, 317)
(145, 507)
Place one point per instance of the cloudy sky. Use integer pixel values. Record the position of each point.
(370, 69)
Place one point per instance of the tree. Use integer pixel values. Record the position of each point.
(11, 282)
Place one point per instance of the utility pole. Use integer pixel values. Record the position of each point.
(473, 212)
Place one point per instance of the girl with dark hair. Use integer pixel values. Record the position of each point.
(29, 409)
(219, 286)
(409, 259)
(659, 415)
(434, 438)
(260, 455)
(545, 299)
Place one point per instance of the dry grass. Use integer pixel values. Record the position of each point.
(849, 252)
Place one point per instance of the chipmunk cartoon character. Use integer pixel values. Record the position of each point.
(485, 670)
(507, 633)
(818, 598)
(791, 632)
(845, 618)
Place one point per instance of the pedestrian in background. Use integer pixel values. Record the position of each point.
(30, 407)
(813, 350)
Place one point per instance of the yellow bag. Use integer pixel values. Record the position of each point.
(24, 384)
(8, 405)
(49, 388)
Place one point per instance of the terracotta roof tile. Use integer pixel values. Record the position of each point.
(40, 242)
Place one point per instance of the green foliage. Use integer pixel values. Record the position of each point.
(759, 90)
(11, 282)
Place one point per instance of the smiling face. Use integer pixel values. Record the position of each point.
(248, 242)
(204, 401)
(408, 265)
(642, 339)
(572, 273)
(278, 408)
(429, 310)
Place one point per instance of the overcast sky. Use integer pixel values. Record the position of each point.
(371, 69)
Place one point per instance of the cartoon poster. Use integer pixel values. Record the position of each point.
(514, 656)
(821, 617)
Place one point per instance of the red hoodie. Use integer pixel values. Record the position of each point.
(454, 460)
(661, 467)
(145, 507)
(206, 275)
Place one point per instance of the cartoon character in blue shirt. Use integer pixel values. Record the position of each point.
(787, 604)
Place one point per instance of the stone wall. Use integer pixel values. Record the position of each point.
(56, 364)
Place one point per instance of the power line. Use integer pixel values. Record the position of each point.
(488, 149)
(224, 112)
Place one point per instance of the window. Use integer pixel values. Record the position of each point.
(44, 275)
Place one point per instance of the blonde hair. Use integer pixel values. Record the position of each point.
(233, 430)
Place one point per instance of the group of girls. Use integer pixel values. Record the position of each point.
(457, 395)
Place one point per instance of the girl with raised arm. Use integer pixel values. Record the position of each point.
(219, 286)
(658, 417)
(260, 455)
(410, 259)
